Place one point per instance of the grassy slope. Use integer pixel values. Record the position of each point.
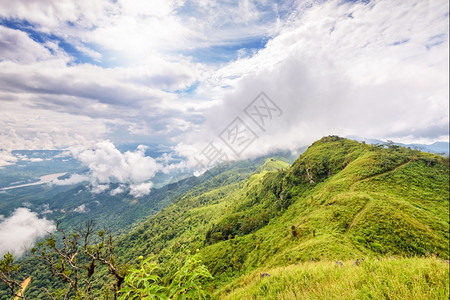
(340, 200)
(364, 201)
(183, 225)
(403, 278)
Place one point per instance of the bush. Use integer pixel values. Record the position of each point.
(190, 281)
(142, 283)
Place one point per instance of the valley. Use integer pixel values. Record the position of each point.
(184, 150)
(42, 180)
(345, 218)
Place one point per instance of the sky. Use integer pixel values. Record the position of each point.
(212, 80)
(79, 74)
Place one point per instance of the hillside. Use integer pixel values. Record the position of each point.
(183, 225)
(122, 212)
(340, 200)
(269, 228)
(399, 278)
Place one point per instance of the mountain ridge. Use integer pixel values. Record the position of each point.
(339, 200)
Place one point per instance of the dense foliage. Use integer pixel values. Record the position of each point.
(340, 200)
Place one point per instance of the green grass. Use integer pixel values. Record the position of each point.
(355, 200)
(388, 278)
(338, 201)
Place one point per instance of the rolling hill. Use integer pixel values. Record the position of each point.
(345, 220)
(340, 200)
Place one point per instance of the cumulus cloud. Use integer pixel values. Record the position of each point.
(21, 230)
(106, 164)
(119, 190)
(141, 189)
(81, 209)
(98, 188)
(6, 158)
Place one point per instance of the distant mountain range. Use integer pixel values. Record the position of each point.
(436, 147)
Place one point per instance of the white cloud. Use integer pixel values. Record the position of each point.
(107, 165)
(378, 70)
(39, 128)
(35, 159)
(98, 188)
(21, 230)
(48, 14)
(81, 209)
(45, 209)
(31, 159)
(49, 104)
(140, 26)
(49, 100)
(17, 46)
(6, 158)
(119, 190)
(141, 189)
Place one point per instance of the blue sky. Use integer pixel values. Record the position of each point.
(76, 73)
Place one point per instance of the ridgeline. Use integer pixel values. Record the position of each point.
(346, 220)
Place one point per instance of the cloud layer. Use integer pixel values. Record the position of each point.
(376, 70)
(84, 71)
(21, 230)
(73, 73)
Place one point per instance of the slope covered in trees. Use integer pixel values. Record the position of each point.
(376, 215)
(340, 200)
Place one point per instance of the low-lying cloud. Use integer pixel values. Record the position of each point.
(21, 230)
(6, 158)
(140, 189)
(133, 170)
(81, 209)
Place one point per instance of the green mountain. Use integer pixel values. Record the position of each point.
(117, 214)
(345, 220)
(340, 200)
